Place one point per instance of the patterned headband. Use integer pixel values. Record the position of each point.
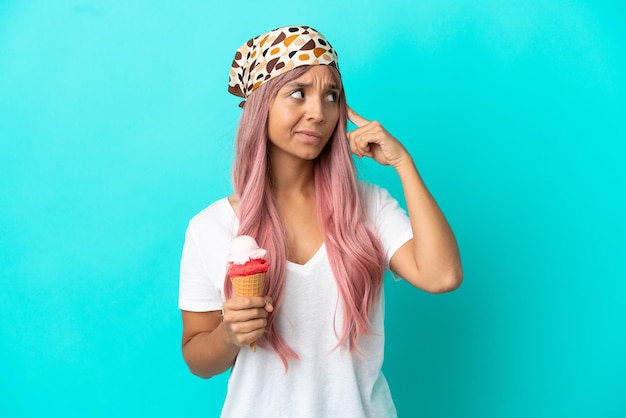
(276, 52)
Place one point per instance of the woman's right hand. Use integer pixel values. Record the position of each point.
(244, 319)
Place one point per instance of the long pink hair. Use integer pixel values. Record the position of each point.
(354, 251)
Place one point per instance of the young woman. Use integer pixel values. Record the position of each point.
(329, 239)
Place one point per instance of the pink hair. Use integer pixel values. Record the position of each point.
(354, 251)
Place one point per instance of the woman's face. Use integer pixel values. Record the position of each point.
(304, 114)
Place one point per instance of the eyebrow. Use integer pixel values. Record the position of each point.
(300, 85)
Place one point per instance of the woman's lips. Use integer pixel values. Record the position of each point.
(310, 136)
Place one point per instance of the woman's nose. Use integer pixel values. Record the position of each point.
(315, 109)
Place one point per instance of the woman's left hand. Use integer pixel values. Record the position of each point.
(372, 140)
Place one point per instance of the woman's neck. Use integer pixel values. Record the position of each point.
(292, 177)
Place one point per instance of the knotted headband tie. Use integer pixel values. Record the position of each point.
(276, 52)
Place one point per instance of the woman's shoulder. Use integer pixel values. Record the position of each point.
(378, 201)
(219, 213)
(370, 192)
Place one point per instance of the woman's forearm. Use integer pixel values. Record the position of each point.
(435, 248)
(208, 353)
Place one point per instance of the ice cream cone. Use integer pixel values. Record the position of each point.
(247, 269)
(251, 285)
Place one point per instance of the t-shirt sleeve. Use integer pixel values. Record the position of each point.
(198, 289)
(391, 222)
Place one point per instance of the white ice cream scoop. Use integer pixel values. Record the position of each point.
(243, 249)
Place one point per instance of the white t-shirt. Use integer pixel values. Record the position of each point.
(325, 382)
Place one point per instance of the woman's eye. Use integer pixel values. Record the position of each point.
(332, 97)
(298, 94)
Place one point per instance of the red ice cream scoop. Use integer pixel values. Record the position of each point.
(255, 266)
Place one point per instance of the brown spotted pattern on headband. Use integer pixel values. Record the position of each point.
(276, 52)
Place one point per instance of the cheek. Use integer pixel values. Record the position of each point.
(333, 117)
(280, 118)
(272, 130)
(273, 122)
(332, 123)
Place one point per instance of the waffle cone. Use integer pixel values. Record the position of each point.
(251, 285)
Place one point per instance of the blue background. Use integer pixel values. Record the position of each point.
(116, 128)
